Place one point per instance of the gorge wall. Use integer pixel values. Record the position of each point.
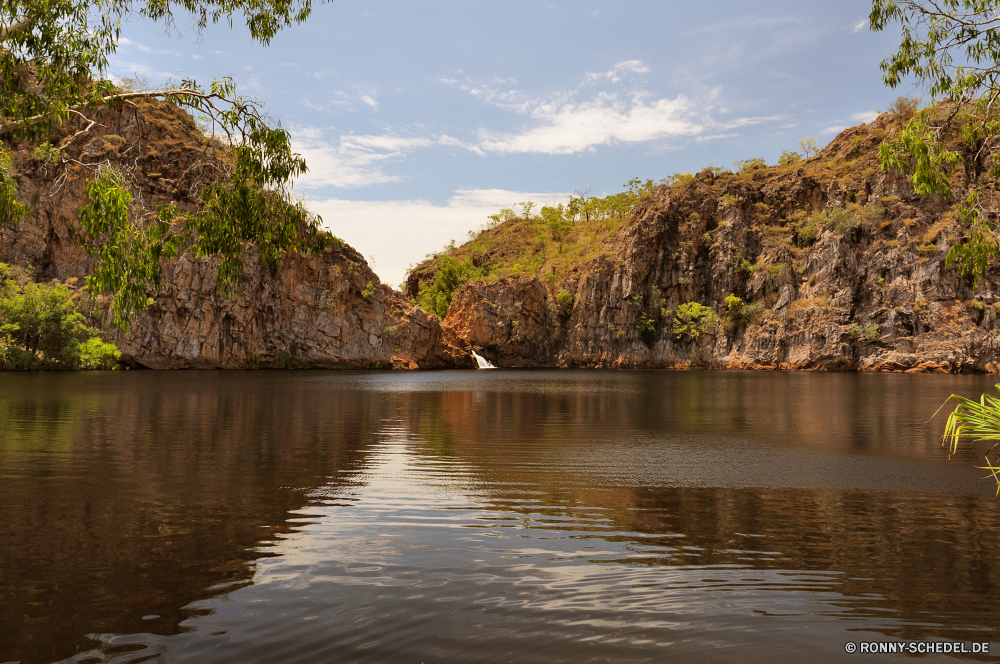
(324, 310)
(862, 285)
(837, 266)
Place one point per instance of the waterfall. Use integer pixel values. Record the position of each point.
(483, 362)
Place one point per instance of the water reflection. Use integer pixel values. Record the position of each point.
(543, 515)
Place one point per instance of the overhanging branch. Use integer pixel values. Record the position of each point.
(8, 126)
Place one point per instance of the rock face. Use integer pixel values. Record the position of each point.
(871, 292)
(325, 310)
(322, 311)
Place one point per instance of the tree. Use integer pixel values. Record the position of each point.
(54, 55)
(41, 329)
(789, 157)
(437, 295)
(53, 70)
(952, 49)
(808, 146)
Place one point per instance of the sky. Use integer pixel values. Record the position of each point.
(418, 120)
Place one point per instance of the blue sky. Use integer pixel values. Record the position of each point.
(419, 119)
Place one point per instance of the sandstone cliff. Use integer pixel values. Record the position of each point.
(321, 310)
(837, 265)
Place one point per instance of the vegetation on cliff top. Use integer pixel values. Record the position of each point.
(781, 231)
(549, 244)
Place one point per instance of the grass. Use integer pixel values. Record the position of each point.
(524, 245)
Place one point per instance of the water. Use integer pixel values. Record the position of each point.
(482, 362)
(544, 516)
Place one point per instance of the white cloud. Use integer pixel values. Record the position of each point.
(714, 137)
(582, 118)
(866, 116)
(616, 73)
(419, 227)
(368, 100)
(834, 130)
(570, 128)
(139, 70)
(749, 122)
(350, 160)
(860, 25)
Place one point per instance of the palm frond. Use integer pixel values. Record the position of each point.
(974, 421)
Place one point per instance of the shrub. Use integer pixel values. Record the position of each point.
(41, 329)
(692, 320)
(867, 333)
(841, 219)
(680, 178)
(778, 272)
(437, 295)
(809, 230)
(904, 107)
(565, 301)
(739, 314)
(747, 165)
(789, 157)
(647, 329)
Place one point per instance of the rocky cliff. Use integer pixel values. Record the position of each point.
(836, 266)
(322, 310)
(826, 263)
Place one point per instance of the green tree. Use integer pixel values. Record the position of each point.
(951, 48)
(692, 320)
(789, 157)
(746, 165)
(808, 146)
(437, 295)
(41, 329)
(555, 218)
(53, 69)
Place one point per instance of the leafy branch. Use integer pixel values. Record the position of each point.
(952, 49)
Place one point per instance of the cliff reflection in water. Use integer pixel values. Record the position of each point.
(147, 494)
(133, 495)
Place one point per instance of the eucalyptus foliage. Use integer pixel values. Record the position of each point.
(54, 53)
(127, 254)
(12, 212)
(952, 49)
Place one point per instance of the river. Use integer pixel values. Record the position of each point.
(491, 516)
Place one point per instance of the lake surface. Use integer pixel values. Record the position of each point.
(493, 516)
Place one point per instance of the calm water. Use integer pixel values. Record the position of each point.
(500, 516)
